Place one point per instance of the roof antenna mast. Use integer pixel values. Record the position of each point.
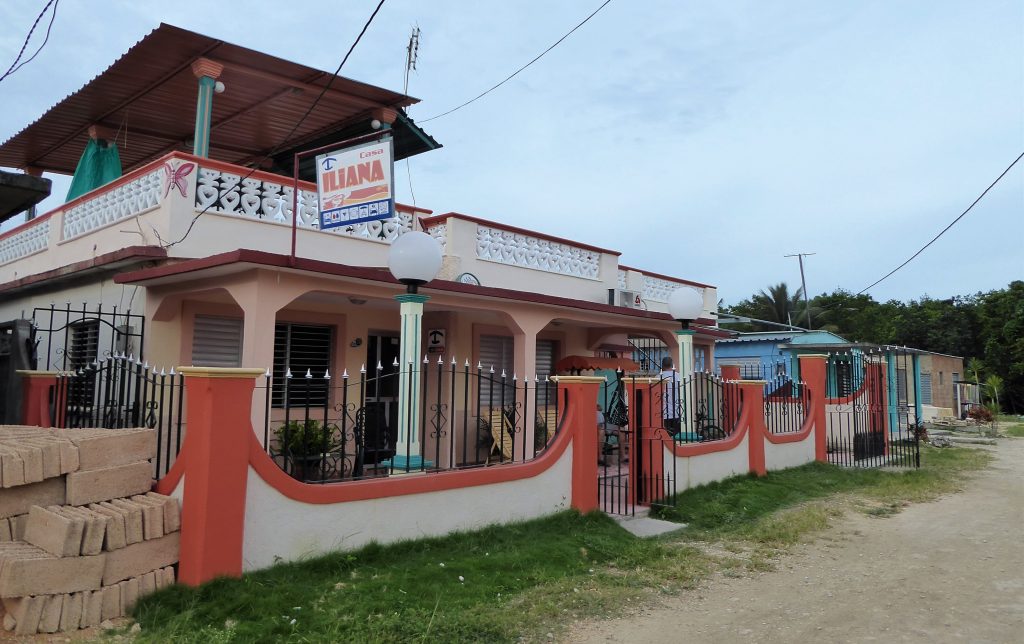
(412, 52)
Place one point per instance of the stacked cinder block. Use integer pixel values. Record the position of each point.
(82, 537)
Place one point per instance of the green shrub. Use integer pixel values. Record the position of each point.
(306, 438)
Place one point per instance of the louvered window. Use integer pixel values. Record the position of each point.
(496, 351)
(926, 388)
(216, 341)
(301, 348)
(545, 358)
(83, 350)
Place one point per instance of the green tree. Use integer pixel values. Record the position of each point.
(994, 386)
(774, 304)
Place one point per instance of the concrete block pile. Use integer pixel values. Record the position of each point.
(82, 537)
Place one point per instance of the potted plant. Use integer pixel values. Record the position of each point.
(305, 443)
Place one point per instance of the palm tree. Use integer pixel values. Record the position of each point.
(975, 366)
(994, 385)
(776, 304)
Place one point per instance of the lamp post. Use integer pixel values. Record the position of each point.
(414, 259)
(685, 305)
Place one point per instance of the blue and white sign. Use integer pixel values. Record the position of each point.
(356, 184)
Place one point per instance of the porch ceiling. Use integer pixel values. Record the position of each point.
(149, 96)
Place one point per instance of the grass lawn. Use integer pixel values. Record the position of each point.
(525, 580)
(1015, 430)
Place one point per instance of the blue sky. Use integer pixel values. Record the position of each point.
(703, 140)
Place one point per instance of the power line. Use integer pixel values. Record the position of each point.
(943, 231)
(15, 66)
(513, 74)
(288, 136)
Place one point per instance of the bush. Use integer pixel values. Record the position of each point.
(306, 438)
(980, 414)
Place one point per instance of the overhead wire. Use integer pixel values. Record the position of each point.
(288, 136)
(515, 73)
(943, 231)
(14, 65)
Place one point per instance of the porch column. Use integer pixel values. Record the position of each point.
(408, 450)
(207, 72)
(525, 368)
(685, 338)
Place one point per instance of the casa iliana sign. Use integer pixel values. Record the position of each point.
(356, 184)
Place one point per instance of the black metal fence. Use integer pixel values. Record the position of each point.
(70, 338)
(121, 391)
(870, 418)
(786, 402)
(637, 467)
(468, 417)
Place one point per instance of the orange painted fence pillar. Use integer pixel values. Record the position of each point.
(36, 393)
(753, 411)
(581, 420)
(812, 371)
(213, 507)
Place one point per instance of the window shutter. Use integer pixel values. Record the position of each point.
(926, 388)
(545, 363)
(495, 351)
(301, 347)
(216, 342)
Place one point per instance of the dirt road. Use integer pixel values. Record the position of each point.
(948, 571)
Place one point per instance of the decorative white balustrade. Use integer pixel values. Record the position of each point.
(229, 193)
(621, 280)
(26, 241)
(656, 289)
(440, 233)
(525, 251)
(123, 201)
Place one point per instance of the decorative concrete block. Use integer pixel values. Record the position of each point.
(152, 516)
(12, 468)
(54, 531)
(129, 594)
(49, 619)
(139, 558)
(92, 608)
(132, 518)
(71, 612)
(95, 526)
(28, 620)
(33, 571)
(172, 511)
(18, 500)
(147, 583)
(18, 525)
(103, 448)
(114, 535)
(108, 483)
(111, 603)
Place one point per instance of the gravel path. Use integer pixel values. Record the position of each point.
(948, 571)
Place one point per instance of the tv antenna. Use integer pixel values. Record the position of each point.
(412, 52)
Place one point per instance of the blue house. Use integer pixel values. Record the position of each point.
(764, 355)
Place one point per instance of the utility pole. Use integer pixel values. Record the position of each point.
(803, 283)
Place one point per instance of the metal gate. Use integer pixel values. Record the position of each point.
(871, 409)
(662, 412)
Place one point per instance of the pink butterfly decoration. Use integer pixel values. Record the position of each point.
(176, 177)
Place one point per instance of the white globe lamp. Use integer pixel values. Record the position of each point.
(414, 259)
(685, 304)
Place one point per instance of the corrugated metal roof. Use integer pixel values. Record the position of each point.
(149, 94)
(770, 336)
